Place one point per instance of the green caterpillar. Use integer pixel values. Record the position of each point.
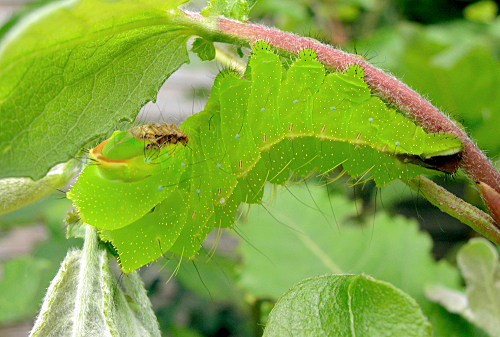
(159, 189)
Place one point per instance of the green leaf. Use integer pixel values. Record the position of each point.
(205, 49)
(84, 299)
(233, 9)
(47, 209)
(346, 305)
(478, 261)
(19, 192)
(31, 275)
(291, 240)
(305, 235)
(482, 11)
(63, 87)
(21, 294)
(75, 227)
(210, 277)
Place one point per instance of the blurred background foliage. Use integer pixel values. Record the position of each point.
(447, 50)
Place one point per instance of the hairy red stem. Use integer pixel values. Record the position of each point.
(491, 200)
(474, 162)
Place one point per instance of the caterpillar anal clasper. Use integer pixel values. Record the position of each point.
(150, 191)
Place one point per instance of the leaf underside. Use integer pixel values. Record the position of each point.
(61, 88)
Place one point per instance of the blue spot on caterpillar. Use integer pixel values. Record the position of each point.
(118, 199)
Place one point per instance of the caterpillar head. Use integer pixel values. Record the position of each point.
(133, 155)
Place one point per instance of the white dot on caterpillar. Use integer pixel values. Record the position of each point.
(370, 119)
(160, 188)
(222, 200)
(333, 108)
(182, 164)
(237, 136)
(295, 101)
(397, 144)
(218, 165)
(263, 109)
(147, 160)
(197, 191)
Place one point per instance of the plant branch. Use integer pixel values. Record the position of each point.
(456, 207)
(474, 163)
(228, 60)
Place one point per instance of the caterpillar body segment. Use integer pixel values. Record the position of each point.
(111, 204)
(200, 208)
(262, 112)
(151, 236)
(250, 132)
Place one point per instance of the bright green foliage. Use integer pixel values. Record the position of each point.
(309, 232)
(70, 71)
(18, 192)
(25, 279)
(482, 11)
(15, 282)
(347, 306)
(205, 49)
(478, 261)
(234, 9)
(305, 122)
(85, 299)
